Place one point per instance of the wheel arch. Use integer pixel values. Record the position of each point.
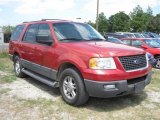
(66, 65)
(15, 54)
(157, 55)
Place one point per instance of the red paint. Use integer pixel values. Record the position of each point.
(78, 54)
(153, 51)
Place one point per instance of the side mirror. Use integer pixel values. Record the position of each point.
(144, 46)
(106, 37)
(44, 39)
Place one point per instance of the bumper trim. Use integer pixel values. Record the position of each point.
(96, 89)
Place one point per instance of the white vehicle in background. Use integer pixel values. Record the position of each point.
(131, 35)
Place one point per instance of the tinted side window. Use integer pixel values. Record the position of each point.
(44, 30)
(127, 42)
(136, 43)
(30, 35)
(17, 32)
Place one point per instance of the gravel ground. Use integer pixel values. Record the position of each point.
(28, 99)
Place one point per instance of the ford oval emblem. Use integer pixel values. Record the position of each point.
(137, 61)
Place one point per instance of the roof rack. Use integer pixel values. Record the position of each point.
(53, 19)
(31, 21)
(44, 20)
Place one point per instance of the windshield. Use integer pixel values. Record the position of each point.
(152, 43)
(158, 40)
(76, 32)
(138, 35)
(155, 35)
(146, 36)
(130, 35)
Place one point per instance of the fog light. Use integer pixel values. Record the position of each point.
(108, 87)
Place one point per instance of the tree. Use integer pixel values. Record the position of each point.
(140, 19)
(149, 11)
(154, 24)
(7, 29)
(119, 22)
(7, 32)
(103, 23)
(91, 23)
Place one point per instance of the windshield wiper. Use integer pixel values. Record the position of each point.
(97, 39)
(70, 39)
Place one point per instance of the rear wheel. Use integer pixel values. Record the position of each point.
(72, 87)
(18, 67)
(157, 65)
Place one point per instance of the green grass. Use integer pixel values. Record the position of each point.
(3, 91)
(8, 79)
(4, 54)
(31, 103)
(155, 82)
(6, 64)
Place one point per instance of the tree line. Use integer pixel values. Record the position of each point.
(137, 21)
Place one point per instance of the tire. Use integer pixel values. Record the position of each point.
(72, 88)
(18, 67)
(157, 65)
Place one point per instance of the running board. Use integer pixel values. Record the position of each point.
(40, 78)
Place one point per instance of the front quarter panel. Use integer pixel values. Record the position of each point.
(78, 58)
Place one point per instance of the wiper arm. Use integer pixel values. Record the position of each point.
(97, 39)
(70, 39)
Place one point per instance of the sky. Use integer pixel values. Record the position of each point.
(13, 12)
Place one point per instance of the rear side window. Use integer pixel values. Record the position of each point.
(30, 35)
(17, 32)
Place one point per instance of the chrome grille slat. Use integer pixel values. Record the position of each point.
(133, 62)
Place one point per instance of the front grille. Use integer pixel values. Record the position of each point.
(133, 62)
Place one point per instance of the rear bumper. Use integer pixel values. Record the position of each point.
(122, 87)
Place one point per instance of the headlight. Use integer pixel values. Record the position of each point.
(149, 56)
(102, 63)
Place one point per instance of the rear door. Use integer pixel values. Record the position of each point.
(13, 46)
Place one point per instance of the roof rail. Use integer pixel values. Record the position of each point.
(44, 20)
(53, 19)
(31, 21)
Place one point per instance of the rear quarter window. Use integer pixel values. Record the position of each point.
(17, 32)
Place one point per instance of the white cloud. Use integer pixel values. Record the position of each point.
(110, 7)
(43, 6)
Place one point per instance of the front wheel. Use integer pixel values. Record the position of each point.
(157, 65)
(72, 87)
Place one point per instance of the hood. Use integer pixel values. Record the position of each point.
(105, 49)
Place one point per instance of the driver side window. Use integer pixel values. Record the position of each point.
(44, 30)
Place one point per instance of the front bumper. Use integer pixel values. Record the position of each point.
(122, 87)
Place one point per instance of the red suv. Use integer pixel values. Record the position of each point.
(77, 59)
(150, 45)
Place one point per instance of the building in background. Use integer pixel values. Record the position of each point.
(1, 36)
